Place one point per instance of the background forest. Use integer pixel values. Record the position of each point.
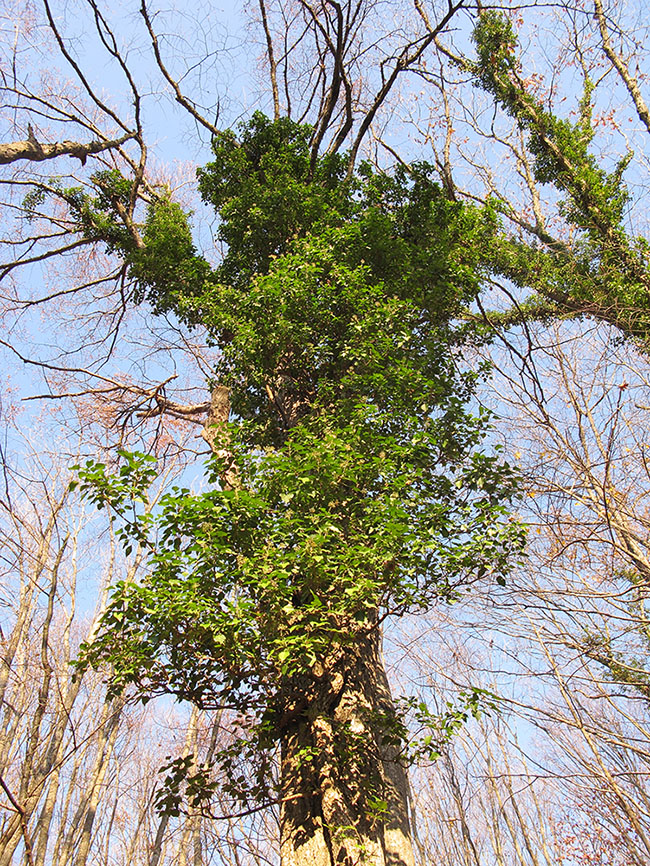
(489, 165)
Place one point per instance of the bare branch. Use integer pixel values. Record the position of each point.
(187, 104)
(624, 73)
(23, 822)
(33, 150)
(273, 67)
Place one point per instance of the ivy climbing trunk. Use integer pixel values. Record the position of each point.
(343, 781)
(348, 480)
(344, 785)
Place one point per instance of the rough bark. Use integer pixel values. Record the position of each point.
(344, 787)
(35, 151)
(215, 433)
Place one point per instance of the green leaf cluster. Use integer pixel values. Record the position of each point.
(440, 728)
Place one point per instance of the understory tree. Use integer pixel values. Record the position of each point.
(78, 772)
(350, 478)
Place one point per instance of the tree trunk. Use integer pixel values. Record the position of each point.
(344, 788)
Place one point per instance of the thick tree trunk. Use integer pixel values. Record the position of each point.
(344, 789)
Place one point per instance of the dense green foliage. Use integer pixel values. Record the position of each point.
(603, 270)
(364, 488)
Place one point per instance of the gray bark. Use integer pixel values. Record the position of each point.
(344, 787)
(35, 151)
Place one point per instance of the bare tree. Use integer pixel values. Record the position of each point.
(80, 773)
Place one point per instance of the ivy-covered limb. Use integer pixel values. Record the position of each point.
(364, 485)
(605, 272)
(104, 217)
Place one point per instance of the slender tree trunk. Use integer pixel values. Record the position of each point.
(106, 745)
(344, 789)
